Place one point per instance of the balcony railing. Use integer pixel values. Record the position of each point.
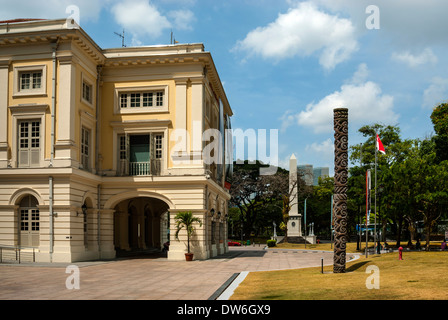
(126, 168)
(139, 168)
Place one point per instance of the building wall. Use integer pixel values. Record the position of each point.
(61, 185)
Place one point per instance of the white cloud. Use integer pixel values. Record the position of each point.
(143, 19)
(182, 19)
(303, 31)
(288, 119)
(436, 93)
(325, 149)
(406, 23)
(360, 75)
(364, 99)
(426, 57)
(140, 18)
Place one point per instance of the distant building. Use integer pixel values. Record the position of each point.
(311, 175)
(306, 171)
(322, 172)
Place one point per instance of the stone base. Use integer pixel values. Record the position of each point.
(300, 239)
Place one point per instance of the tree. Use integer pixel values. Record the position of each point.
(247, 191)
(439, 118)
(186, 220)
(432, 182)
(397, 151)
(257, 195)
(319, 205)
(281, 188)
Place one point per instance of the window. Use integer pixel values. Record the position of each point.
(123, 163)
(85, 148)
(147, 99)
(87, 92)
(207, 109)
(122, 148)
(30, 80)
(29, 143)
(29, 222)
(141, 99)
(139, 154)
(85, 225)
(158, 146)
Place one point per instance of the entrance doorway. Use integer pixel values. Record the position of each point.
(141, 226)
(139, 155)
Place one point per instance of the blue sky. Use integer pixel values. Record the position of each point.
(286, 64)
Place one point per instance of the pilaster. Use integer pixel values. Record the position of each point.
(65, 148)
(4, 94)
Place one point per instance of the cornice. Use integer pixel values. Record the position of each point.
(39, 37)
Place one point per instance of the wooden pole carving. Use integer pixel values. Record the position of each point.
(340, 188)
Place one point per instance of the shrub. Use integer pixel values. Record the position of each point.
(271, 243)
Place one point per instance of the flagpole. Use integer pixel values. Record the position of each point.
(376, 156)
(367, 208)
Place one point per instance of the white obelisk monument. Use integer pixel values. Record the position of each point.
(295, 219)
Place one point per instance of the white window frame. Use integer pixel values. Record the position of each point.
(27, 113)
(141, 90)
(86, 143)
(123, 128)
(19, 71)
(30, 140)
(87, 123)
(87, 81)
(158, 145)
(29, 218)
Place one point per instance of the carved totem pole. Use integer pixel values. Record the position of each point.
(340, 188)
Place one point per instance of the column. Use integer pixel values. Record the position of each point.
(4, 94)
(180, 134)
(197, 116)
(65, 149)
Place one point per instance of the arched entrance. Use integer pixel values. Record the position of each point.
(141, 225)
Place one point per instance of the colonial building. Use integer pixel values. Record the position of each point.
(101, 148)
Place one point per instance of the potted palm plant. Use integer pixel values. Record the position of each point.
(186, 220)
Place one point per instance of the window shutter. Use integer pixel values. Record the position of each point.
(128, 154)
(35, 157)
(156, 164)
(24, 160)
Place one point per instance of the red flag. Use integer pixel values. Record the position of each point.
(379, 145)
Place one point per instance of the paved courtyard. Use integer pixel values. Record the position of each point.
(149, 278)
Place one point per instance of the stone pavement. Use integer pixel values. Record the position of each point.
(150, 278)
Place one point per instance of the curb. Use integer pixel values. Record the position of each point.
(228, 288)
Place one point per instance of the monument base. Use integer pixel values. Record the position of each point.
(300, 239)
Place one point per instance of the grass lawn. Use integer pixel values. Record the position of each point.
(419, 276)
(351, 246)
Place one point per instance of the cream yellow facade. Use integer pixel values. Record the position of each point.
(100, 148)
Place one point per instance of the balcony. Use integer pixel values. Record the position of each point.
(146, 168)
